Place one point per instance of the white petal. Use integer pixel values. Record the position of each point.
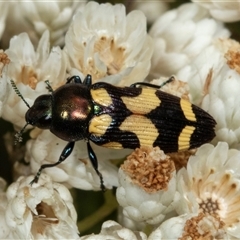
(210, 185)
(222, 10)
(185, 32)
(102, 42)
(40, 211)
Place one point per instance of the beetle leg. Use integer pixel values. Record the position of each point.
(94, 162)
(49, 88)
(65, 153)
(153, 85)
(88, 80)
(75, 79)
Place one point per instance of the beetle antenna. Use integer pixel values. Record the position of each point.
(18, 135)
(49, 88)
(18, 92)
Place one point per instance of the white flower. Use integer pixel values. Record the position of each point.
(169, 229)
(190, 226)
(211, 185)
(41, 211)
(35, 17)
(147, 186)
(4, 61)
(29, 69)
(225, 11)
(4, 229)
(114, 231)
(214, 84)
(151, 9)
(179, 35)
(128, 222)
(18, 25)
(76, 171)
(104, 42)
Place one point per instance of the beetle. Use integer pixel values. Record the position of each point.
(117, 117)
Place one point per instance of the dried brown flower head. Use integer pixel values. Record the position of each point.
(150, 168)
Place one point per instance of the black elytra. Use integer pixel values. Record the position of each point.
(118, 117)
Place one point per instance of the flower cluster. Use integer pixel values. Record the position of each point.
(192, 194)
(44, 210)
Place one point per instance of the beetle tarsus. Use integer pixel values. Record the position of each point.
(88, 80)
(49, 88)
(102, 186)
(171, 79)
(134, 85)
(94, 162)
(75, 79)
(35, 179)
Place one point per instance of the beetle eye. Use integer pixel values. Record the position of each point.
(40, 114)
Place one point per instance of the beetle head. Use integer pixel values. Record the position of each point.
(40, 114)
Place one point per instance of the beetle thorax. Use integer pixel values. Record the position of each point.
(72, 110)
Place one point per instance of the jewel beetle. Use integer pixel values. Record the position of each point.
(117, 117)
